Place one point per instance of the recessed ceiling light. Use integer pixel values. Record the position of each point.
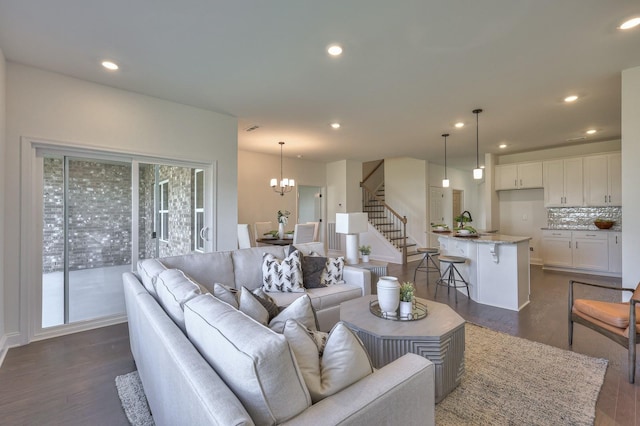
(111, 66)
(571, 98)
(482, 167)
(459, 124)
(335, 125)
(631, 23)
(591, 131)
(334, 50)
(502, 146)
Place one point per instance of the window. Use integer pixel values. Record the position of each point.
(163, 210)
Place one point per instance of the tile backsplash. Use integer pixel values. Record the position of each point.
(582, 217)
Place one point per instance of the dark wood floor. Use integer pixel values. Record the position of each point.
(70, 380)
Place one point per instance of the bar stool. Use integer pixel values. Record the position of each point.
(448, 278)
(429, 254)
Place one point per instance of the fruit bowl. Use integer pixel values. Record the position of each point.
(604, 224)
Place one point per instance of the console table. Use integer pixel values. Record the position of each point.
(439, 337)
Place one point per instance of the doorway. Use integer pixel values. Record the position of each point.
(457, 198)
(310, 206)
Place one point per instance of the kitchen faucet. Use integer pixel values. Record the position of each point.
(462, 215)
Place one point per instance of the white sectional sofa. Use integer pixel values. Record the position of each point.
(203, 362)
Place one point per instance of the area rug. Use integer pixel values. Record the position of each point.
(507, 381)
(133, 399)
(513, 381)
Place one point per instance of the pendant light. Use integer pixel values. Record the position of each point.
(477, 172)
(286, 185)
(445, 181)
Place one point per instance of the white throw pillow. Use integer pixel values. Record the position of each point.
(250, 305)
(343, 362)
(332, 273)
(226, 294)
(300, 310)
(282, 275)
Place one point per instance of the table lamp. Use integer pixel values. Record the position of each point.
(352, 224)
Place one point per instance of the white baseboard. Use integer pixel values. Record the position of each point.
(8, 341)
(78, 327)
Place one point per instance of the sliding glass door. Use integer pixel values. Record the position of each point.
(91, 228)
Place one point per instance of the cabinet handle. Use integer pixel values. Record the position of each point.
(616, 239)
(569, 244)
(589, 235)
(576, 244)
(553, 233)
(609, 198)
(605, 198)
(515, 183)
(520, 182)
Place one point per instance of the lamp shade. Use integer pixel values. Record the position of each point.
(351, 223)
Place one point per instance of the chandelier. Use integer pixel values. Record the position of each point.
(286, 185)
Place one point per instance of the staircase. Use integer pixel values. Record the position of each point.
(388, 222)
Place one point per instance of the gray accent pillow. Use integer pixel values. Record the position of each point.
(313, 265)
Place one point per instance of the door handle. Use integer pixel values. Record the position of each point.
(605, 198)
(520, 182)
(204, 233)
(515, 182)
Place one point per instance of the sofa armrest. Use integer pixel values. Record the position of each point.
(402, 392)
(357, 276)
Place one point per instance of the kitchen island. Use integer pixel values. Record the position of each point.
(497, 267)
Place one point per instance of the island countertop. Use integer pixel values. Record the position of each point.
(484, 238)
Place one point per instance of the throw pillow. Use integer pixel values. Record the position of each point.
(343, 362)
(313, 265)
(282, 275)
(226, 294)
(249, 304)
(267, 301)
(301, 310)
(332, 273)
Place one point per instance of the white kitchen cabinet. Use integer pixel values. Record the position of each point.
(579, 250)
(602, 180)
(518, 176)
(557, 248)
(563, 186)
(615, 252)
(590, 251)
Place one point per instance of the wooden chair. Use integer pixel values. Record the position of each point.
(260, 228)
(244, 238)
(303, 233)
(610, 319)
(316, 230)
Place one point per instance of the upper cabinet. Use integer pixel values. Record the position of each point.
(602, 180)
(563, 185)
(518, 176)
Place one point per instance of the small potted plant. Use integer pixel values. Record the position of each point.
(406, 299)
(365, 251)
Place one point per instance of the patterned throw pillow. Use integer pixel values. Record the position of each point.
(343, 362)
(332, 273)
(284, 275)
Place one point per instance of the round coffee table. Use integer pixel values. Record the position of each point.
(439, 337)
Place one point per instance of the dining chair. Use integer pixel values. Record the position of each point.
(617, 321)
(303, 233)
(316, 230)
(260, 228)
(244, 238)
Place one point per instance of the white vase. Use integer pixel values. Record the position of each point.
(281, 231)
(388, 294)
(365, 258)
(406, 309)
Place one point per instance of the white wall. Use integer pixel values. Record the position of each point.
(257, 202)
(3, 79)
(46, 105)
(630, 176)
(406, 192)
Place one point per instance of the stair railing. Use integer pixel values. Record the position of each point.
(386, 220)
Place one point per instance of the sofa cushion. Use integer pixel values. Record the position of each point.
(282, 275)
(226, 294)
(256, 363)
(174, 289)
(205, 268)
(301, 310)
(247, 265)
(328, 297)
(149, 269)
(332, 273)
(343, 362)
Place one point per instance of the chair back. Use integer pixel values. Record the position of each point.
(303, 233)
(244, 238)
(260, 228)
(316, 230)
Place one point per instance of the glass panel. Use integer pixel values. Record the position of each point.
(147, 229)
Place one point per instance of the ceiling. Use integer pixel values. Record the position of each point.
(409, 71)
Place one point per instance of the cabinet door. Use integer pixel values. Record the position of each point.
(506, 176)
(591, 253)
(530, 175)
(557, 252)
(596, 181)
(615, 252)
(553, 173)
(615, 179)
(573, 195)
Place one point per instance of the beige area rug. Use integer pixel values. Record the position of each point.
(513, 381)
(507, 381)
